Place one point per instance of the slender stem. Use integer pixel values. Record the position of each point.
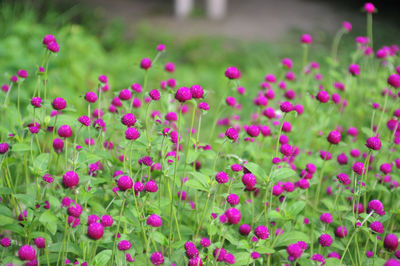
(116, 233)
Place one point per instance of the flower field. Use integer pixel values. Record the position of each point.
(295, 166)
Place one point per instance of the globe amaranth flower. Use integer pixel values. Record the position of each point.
(261, 232)
(59, 104)
(26, 252)
(394, 81)
(233, 199)
(376, 206)
(391, 242)
(106, 220)
(374, 143)
(245, 229)
(154, 220)
(326, 218)
(249, 180)
(231, 134)
(124, 183)
(124, 245)
(183, 94)
(294, 250)
(64, 131)
(70, 179)
(325, 240)
(191, 250)
(95, 231)
(377, 227)
(157, 258)
(341, 231)
(132, 133)
(334, 137)
(232, 73)
(40, 242)
(306, 38)
(222, 177)
(145, 63)
(234, 216)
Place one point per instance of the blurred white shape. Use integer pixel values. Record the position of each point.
(183, 8)
(216, 9)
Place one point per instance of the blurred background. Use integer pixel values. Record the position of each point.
(203, 37)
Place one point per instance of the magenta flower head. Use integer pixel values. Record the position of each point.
(26, 253)
(58, 145)
(169, 67)
(233, 199)
(4, 147)
(103, 79)
(234, 216)
(232, 73)
(204, 106)
(249, 180)
(132, 133)
(287, 62)
(95, 231)
(70, 179)
(261, 232)
(48, 39)
(128, 120)
(219, 253)
(341, 231)
(229, 258)
(40, 242)
(294, 250)
(124, 183)
(376, 206)
(151, 186)
(14, 79)
(286, 149)
(358, 168)
(391, 242)
(36, 102)
(84, 120)
(160, 47)
(343, 178)
(369, 8)
(136, 87)
(334, 137)
(22, 73)
(374, 143)
(5, 242)
(286, 107)
(191, 250)
(91, 97)
(125, 94)
(124, 245)
(347, 26)
(107, 220)
(394, 81)
(154, 220)
(222, 177)
(145, 63)
(323, 96)
(59, 104)
(354, 69)
(253, 131)
(197, 91)
(65, 131)
(231, 134)
(306, 38)
(325, 240)
(245, 229)
(155, 95)
(326, 218)
(157, 258)
(53, 47)
(377, 227)
(183, 94)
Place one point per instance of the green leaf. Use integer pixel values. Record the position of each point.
(5, 191)
(19, 147)
(242, 258)
(283, 174)
(265, 250)
(331, 262)
(41, 162)
(202, 178)
(14, 227)
(49, 221)
(256, 170)
(291, 237)
(295, 208)
(103, 257)
(193, 183)
(4, 220)
(159, 238)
